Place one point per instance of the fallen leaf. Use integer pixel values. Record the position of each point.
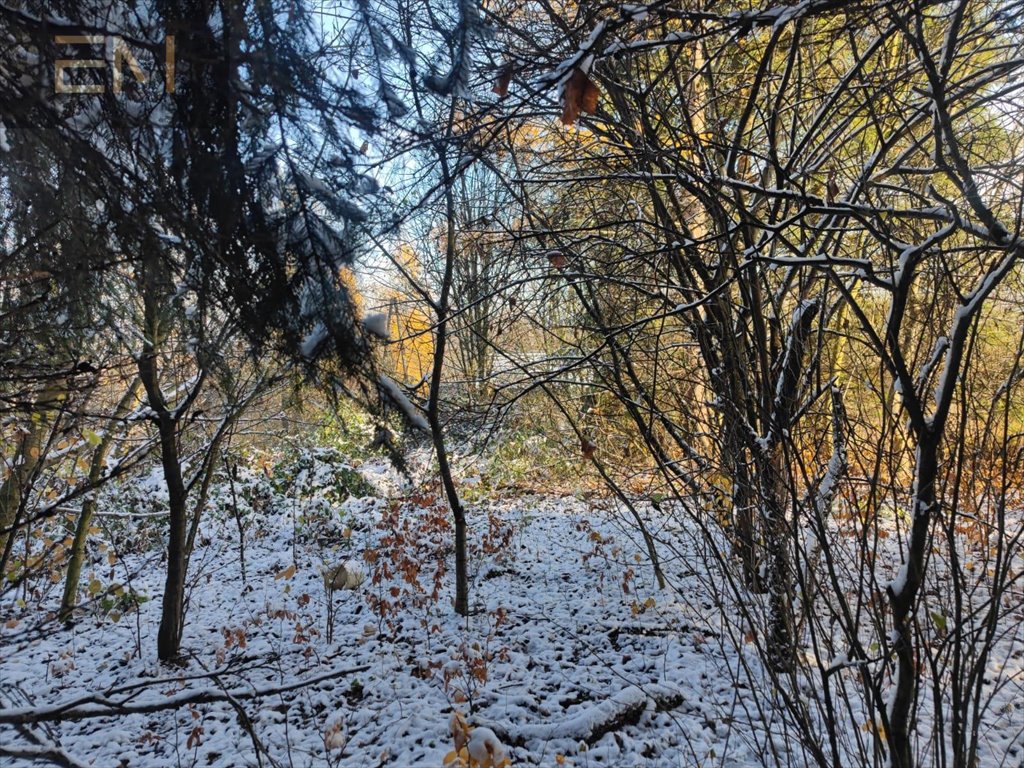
(287, 573)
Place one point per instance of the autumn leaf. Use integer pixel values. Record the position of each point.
(557, 259)
(580, 95)
(504, 80)
(287, 573)
(459, 757)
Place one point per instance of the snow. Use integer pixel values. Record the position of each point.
(635, 12)
(785, 14)
(582, 59)
(585, 720)
(485, 747)
(313, 185)
(4, 144)
(398, 397)
(313, 340)
(377, 324)
(899, 583)
(555, 646)
(560, 646)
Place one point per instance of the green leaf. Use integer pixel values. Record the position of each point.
(939, 621)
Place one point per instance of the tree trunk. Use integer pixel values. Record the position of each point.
(173, 605)
(902, 597)
(26, 464)
(99, 457)
(779, 576)
(433, 404)
(774, 486)
(744, 516)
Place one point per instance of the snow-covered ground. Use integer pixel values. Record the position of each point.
(571, 654)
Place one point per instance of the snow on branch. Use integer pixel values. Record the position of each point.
(123, 701)
(614, 713)
(394, 393)
(469, 28)
(739, 23)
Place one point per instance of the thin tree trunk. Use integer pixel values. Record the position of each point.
(208, 470)
(774, 492)
(433, 403)
(26, 464)
(902, 596)
(779, 577)
(99, 457)
(173, 605)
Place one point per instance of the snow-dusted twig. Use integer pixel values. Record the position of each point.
(103, 705)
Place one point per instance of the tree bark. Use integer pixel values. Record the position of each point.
(26, 464)
(433, 404)
(902, 597)
(173, 604)
(99, 457)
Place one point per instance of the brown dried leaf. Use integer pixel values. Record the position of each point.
(287, 573)
(504, 80)
(580, 95)
(588, 99)
(557, 259)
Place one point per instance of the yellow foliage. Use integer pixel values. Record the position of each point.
(409, 356)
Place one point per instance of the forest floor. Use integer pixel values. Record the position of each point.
(571, 654)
